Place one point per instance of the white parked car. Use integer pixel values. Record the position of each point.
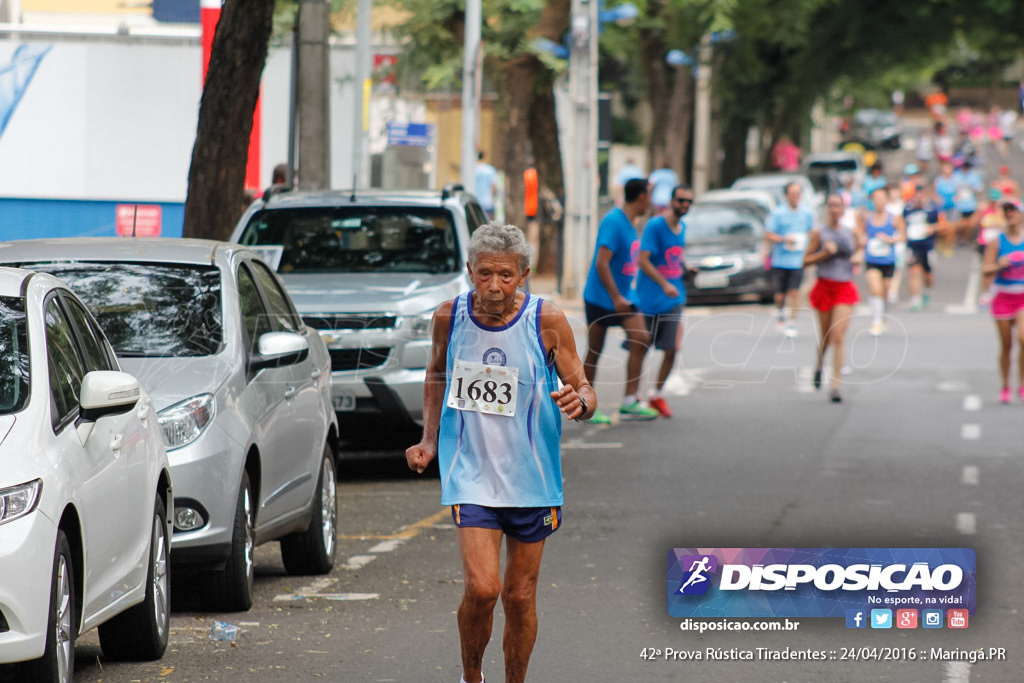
(84, 489)
(241, 388)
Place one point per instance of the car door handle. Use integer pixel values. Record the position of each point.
(116, 441)
(289, 394)
(315, 373)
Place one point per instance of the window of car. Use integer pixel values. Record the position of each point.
(95, 352)
(357, 239)
(716, 224)
(149, 309)
(282, 314)
(254, 315)
(65, 363)
(14, 356)
(475, 216)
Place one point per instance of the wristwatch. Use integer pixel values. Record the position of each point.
(583, 403)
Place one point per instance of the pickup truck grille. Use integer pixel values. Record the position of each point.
(350, 322)
(358, 359)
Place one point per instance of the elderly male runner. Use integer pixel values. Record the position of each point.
(491, 416)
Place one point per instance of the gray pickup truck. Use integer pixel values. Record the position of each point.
(367, 269)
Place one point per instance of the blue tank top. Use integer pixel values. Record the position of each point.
(492, 459)
(1011, 279)
(878, 252)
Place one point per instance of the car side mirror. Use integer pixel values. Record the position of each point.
(278, 349)
(107, 392)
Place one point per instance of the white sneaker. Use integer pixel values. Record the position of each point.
(790, 331)
(877, 328)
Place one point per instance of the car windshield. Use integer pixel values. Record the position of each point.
(14, 365)
(716, 225)
(149, 309)
(355, 239)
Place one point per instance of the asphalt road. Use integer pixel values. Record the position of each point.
(918, 455)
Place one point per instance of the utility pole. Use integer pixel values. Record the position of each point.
(314, 140)
(363, 85)
(702, 117)
(581, 190)
(470, 94)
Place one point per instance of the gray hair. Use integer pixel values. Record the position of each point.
(497, 238)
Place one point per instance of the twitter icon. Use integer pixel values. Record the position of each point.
(881, 618)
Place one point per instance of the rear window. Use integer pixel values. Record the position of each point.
(149, 309)
(355, 239)
(713, 225)
(837, 165)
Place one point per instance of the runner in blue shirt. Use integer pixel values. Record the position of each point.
(606, 298)
(921, 216)
(786, 234)
(660, 288)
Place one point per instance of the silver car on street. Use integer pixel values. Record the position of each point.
(241, 388)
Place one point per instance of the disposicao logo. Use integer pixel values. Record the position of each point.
(696, 581)
(817, 582)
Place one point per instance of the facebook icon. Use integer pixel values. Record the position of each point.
(855, 618)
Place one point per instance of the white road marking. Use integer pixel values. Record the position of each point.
(386, 546)
(966, 523)
(970, 475)
(577, 446)
(972, 402)
(307, 591)
(358, 561)
(957, 672)
(348, 596)
(970, 431)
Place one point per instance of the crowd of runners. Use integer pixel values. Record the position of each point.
(894, 227)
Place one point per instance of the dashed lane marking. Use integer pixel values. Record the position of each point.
(957, 672)
(966, 523)
(970, 431)
(972, 402)
(970, 475)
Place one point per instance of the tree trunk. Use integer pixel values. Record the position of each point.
(518, 76)
(658, 87)
(680, 120)
(216, 177)
(548, 160)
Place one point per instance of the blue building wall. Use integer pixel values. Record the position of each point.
(31, 218)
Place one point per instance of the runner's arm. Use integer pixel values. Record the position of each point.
(420, 455)
(559, 340)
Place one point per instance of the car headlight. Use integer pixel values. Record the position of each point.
(18, 501)
(419, 325)
(183, 422)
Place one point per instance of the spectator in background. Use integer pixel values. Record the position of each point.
(662, 181)
(1006, 184)
(628, 172)
(785, 155)
(486, 184)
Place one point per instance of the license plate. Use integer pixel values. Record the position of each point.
(344, 401)
(711, 280)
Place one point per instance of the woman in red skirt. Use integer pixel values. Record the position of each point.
(833, 248)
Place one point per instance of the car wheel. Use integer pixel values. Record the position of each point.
(141, 632)
(312, 551)
(230, 589)
(57, 665)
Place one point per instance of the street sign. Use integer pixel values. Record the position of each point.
(410, 134)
